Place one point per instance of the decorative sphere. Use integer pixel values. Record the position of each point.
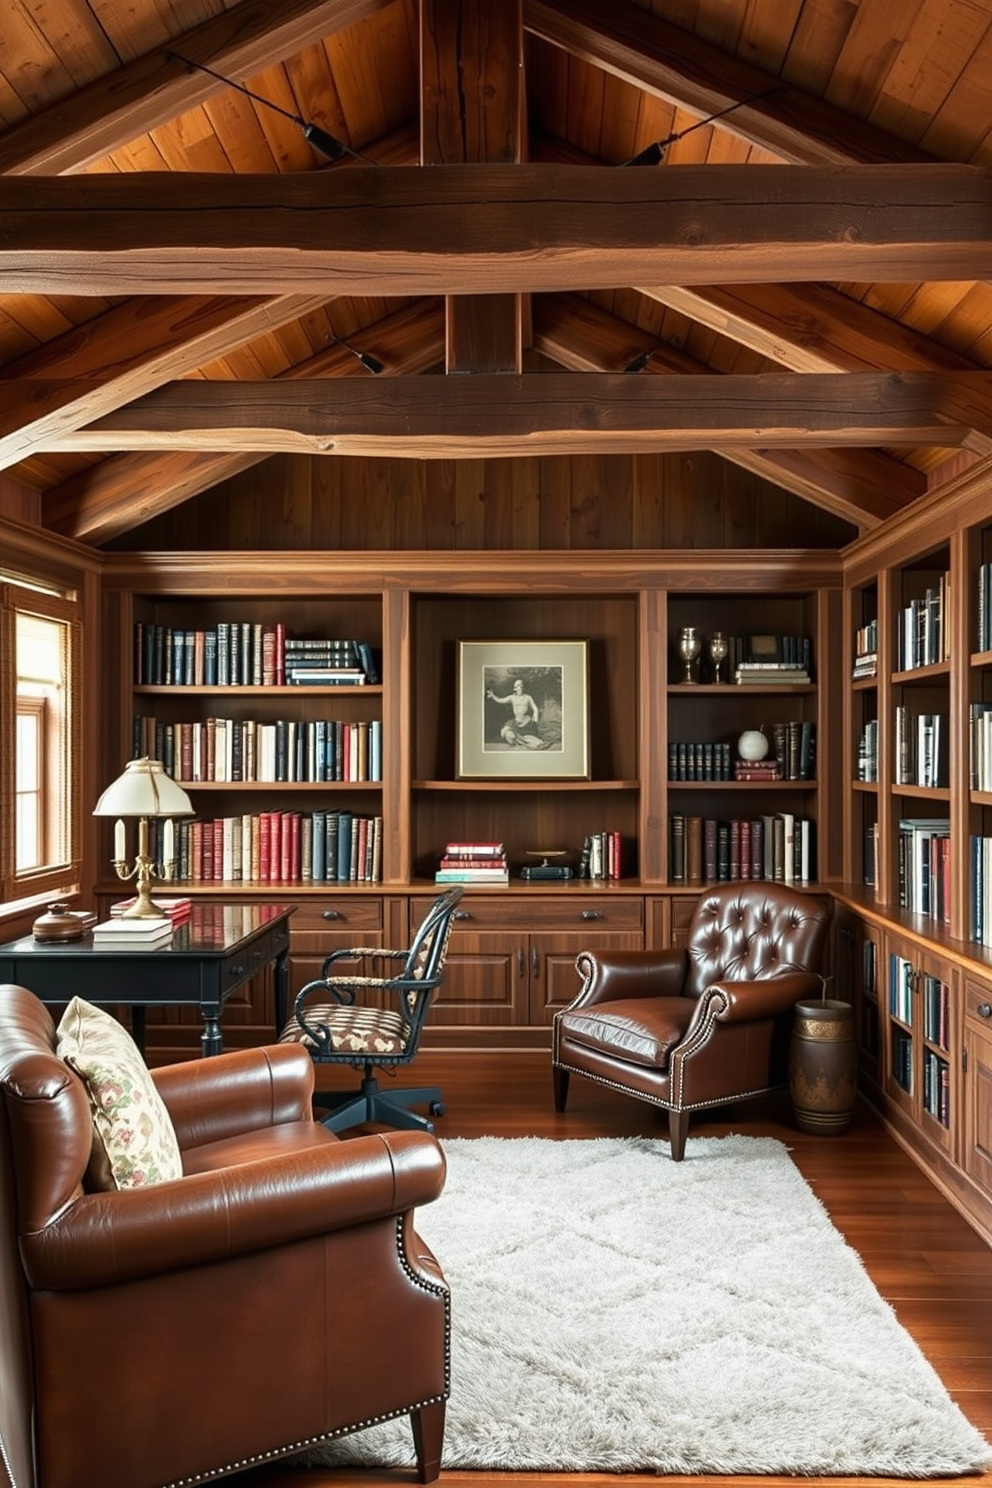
(752, 745)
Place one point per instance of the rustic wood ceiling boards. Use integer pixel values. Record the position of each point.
(880, 268)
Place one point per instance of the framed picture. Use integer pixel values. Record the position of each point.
(764, 648)
(522, 710)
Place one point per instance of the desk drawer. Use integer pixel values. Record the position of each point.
(317, 919)
(532, 913)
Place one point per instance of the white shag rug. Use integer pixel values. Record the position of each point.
(615, 1311)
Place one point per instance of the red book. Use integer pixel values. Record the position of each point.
(264, 844)
(286, 854)
(279, 659)
(218, 857)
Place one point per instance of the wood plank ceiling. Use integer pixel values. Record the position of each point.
(164, 235)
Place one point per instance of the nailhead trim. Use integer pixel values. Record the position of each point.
(298, 1446)
(653, 1100)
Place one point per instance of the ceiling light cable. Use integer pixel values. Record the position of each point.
(654, 153)
(326, 143)
(371, 363)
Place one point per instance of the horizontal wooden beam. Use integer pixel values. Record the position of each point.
(547, 413)
(107, 499)
(124, 353)
(465, 229)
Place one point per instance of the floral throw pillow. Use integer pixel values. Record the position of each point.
(134, 1141)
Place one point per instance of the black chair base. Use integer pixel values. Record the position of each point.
(370, 1104)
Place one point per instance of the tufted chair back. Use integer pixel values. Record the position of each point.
(748, 932)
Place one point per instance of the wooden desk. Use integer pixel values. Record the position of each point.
(217, 950)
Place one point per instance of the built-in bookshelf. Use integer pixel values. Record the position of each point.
(734, 813)
(269, 712)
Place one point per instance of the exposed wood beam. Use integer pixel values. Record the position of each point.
(112, 110)
(467, 229)
(550, 413)
(121, 492)
(861, 486)
(810, 328)
(676, 65)
(471, 109)
(123, 354)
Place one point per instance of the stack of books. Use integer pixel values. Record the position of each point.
(175, 910)
(766, 769)
(473, 862)
(119, 934)
(770, 673)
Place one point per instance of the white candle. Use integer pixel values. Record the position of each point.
(168, 847)
(120, 841)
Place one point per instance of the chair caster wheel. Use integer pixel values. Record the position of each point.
(436, 1108)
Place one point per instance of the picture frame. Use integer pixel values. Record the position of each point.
(764, 648)
(522, 710)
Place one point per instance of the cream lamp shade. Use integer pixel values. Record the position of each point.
(144, 789)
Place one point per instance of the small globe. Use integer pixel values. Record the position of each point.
(752, 745)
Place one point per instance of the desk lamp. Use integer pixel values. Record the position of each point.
(144, 790)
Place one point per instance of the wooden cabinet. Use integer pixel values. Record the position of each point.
(511, 959)
(857, 966)
(976, 1153)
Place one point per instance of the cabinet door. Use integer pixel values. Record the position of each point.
(554, 980)
(977, 1126)
(857, 959)
(485, 982)
(920, 1073)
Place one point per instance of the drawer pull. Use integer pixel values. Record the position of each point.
(520, 961)
(236, 970)
(331, 914)
(985, 1009)
(591, 914)
(462, 914)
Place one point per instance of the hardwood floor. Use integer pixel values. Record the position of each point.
(929, 1263)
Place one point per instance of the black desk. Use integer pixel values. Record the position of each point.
(217, 950)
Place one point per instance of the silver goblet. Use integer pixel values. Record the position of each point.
(690, 646)
(718, 653)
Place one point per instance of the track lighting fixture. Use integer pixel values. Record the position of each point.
(369, 362)
(654, 153)
(327, 144)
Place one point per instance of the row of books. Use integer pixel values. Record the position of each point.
(601, 856)
(777, 847)
(981, 890)
(984, 607)
(920, 748)
(923, 637)
(866, 644)
(279, 847)
(473, 862)
(246, 654)
(792, 757)
(924, 857)
(867, 762)
(243, 749)
(937, 1087)
(980, 729)
(865, 666)
(777, 648)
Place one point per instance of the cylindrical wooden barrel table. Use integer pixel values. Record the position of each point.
(823, 1066)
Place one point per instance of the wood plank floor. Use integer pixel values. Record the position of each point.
(921, 1254)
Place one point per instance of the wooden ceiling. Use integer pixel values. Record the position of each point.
(484, 238)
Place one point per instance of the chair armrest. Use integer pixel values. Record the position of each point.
(610, 975)
(746, 1001)
(103, 1239)
(360, 953)
(209, 1099)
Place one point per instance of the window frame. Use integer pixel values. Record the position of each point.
(61, 605)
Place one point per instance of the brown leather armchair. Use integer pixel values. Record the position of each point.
(701, 1026)
(275, 1295)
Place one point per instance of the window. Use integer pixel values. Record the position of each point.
(39, 791)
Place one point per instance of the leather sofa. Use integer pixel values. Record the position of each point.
(275, 1295)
